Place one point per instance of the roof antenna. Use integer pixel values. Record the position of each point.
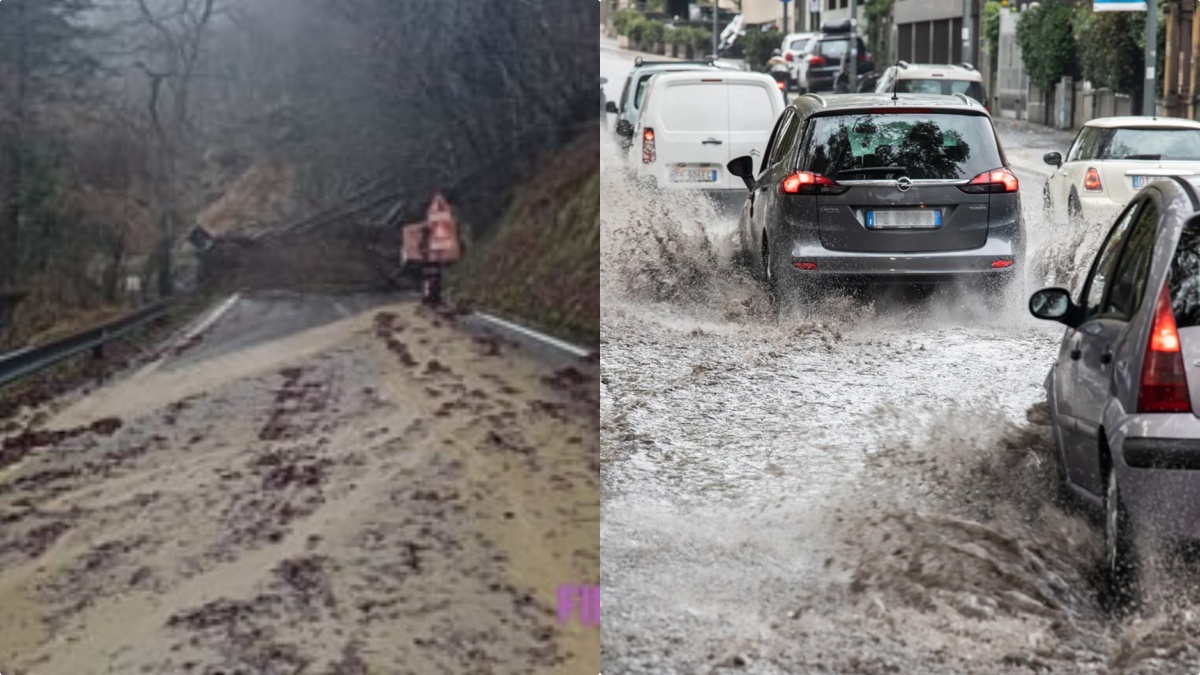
(895, 82)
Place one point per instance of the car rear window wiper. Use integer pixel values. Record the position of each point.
(1142, 157)
(874, 169)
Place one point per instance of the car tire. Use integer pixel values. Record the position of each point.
(1074, 208)
(1121, 564)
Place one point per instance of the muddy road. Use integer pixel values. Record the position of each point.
(862, 485)
(371, 490)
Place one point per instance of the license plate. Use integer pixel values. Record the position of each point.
(1140, 181)
(693, 176)
(909, 219)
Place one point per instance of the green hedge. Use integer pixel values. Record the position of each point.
(1046, 37)
(758, 46)
(622, 18)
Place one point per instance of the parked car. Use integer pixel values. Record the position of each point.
(923, 78)
(692, 123)
(1114, 157)
(1124, 392)
(635, 85)
(874, 188)
(792, 49)
(821, 62)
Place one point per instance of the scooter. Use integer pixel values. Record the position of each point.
(779, 69)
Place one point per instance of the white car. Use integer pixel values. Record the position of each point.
(692, 123)
(792, 51)
(924, 78)
(1112, 158)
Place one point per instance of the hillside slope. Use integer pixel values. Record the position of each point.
(542, 264)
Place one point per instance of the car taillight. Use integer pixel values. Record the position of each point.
(808, 183)
(1164, 383)
(788, 57)
(1091, 180)
(780, 84)
(996, 180)
(865, 57)
(648, 155)
(816, 60)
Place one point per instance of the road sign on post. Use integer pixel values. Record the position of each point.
(1119, 5)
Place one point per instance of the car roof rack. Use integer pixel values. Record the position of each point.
(639, 62)
(967, 99)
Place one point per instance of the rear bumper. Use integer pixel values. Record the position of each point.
(1100, 207)
(1158, 471)
(930, 267)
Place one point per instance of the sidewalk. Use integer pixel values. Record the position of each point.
(608, 44)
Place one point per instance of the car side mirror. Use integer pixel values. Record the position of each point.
(1054, 159)
(611, 107)
(743, 167)
(624, 128)
(1054, 304)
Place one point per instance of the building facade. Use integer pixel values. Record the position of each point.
(931, 31)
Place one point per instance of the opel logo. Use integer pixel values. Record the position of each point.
(903, 183)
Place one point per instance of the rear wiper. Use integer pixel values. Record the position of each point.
(1142, 157)
(874, 169)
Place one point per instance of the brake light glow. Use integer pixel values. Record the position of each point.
(1001, 264)
(816, 60)
(793, 184)
(807, 266)
(648, 154)
(1164, 382)
(996, 180)
(780, 84)
(788, 57)
(1091, 180)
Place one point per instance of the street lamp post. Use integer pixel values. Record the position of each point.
(1151, 57)
(852, 85)
(714, 29)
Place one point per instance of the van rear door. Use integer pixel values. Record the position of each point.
(692, 132)
(753, 109)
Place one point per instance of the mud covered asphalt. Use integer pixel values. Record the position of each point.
(381, 494)
(861, 485)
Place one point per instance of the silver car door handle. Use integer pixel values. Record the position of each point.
(712, 141)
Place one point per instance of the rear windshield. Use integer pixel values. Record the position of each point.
(799, 45)
(924, 145)
(695, 107)
(834, 49)
(1184, 282)
(1152, 144)
(942, 86)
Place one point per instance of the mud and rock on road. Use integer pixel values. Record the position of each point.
(861, 485)
(316, 485)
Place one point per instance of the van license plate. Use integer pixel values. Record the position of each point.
(908, 219)
(1140, 181)
(693, 176)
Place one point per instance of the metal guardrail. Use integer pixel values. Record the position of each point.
(25, 362)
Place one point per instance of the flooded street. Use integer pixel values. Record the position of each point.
(862, 485)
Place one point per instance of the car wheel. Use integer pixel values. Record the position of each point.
(1074, 208)
(1120, 555)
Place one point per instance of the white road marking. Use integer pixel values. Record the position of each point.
(205, 323)
(540, 337)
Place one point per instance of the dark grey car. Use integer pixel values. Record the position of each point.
(1125, 389)
(880, 188)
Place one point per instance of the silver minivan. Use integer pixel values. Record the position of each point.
(1124, 392)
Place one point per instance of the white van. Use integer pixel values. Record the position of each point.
(692, 123)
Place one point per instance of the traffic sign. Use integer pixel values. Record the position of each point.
(1119, 5)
